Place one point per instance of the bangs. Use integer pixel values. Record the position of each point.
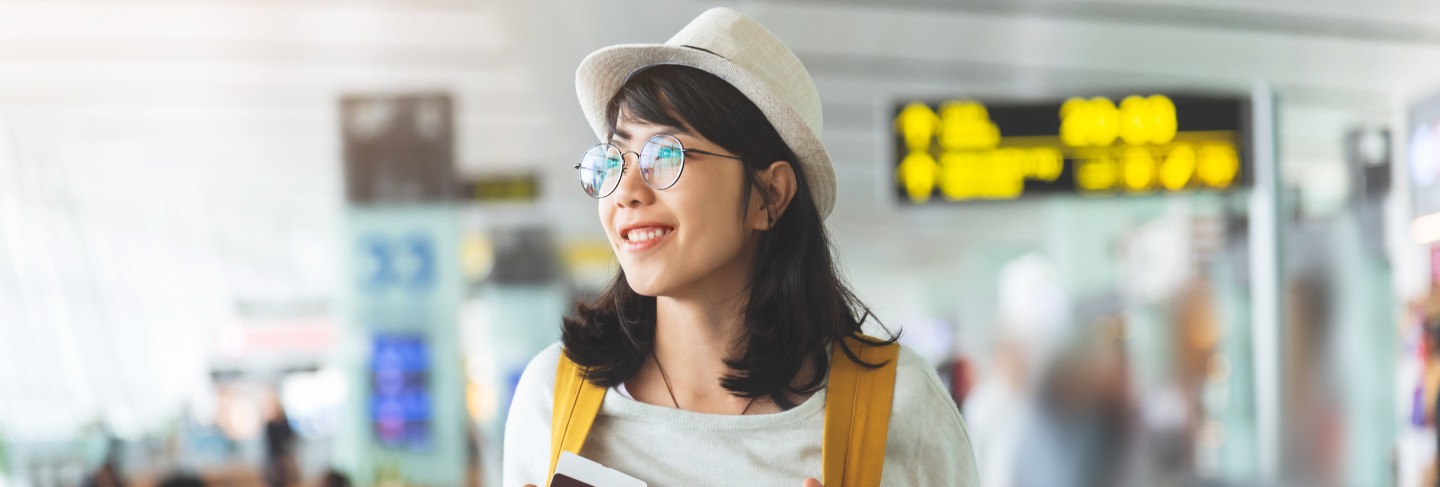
(644, 100)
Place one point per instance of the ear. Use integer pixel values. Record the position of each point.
(778, 184)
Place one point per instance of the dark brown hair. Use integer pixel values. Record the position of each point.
(797, 303)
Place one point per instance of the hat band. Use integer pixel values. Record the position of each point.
(638, 69)
(706, 50)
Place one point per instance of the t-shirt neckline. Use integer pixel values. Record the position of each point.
(621, 404)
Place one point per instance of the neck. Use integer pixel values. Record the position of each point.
(693, 337)
(696, 329)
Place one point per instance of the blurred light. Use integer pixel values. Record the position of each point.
(313, 401)
(477, 257)
(239, 418)
(1179, 164)
(1425, 155)
(1426, 229)
(918, 172)
(1139, 169)
(1218, 165)
(966, 125)
(482, 401)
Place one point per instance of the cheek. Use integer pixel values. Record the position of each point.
(605, 213)
(715, 230)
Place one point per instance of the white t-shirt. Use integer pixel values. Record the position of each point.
(927, 442)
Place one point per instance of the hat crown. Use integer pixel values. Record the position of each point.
(741, 40)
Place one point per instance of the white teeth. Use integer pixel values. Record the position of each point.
(644, 235)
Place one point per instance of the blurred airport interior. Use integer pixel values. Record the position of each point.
(1145, 243)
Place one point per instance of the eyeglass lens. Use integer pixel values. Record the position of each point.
(661, 160)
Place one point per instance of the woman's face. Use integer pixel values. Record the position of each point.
(690, 239)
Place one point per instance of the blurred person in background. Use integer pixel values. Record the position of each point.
(1430, 391)
(1031, 329)
(334, 478)
(280, 466)
(1174, 411)
(1312, 423)
(717, 334)
(1080, 429)
(108, 475)
(182, 480)
(1114, 404)
(1427, 309)
(1423, 402)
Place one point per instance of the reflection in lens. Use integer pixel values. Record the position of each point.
(600, 170)
(661, 161)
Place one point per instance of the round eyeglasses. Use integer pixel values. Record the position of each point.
(661, 160)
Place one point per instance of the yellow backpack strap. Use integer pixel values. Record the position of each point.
(857, 415)
(577, 401)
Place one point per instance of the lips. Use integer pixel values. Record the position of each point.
(639, 237)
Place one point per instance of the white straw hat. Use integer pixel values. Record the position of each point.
(739, 50)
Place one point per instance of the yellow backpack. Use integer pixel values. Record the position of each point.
(857, 414)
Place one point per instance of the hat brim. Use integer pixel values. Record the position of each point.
(603, 72)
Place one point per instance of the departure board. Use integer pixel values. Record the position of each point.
(968, 150)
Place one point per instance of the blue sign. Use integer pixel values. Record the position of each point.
(406, 262)
(400, 401)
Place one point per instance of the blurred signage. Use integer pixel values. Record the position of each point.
(404, 262)
(966, 150)
(1423, 167)
(525, 255)
(517, 188)
(1423, 158)
(402, 292)
(398, 149)
(400, 404)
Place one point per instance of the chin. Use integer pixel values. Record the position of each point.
(644, 284)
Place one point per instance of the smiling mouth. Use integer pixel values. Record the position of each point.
(643, 238)
(645, 234)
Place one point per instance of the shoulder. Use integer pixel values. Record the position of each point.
(918, 391)
(527, 427)
(927, 434)
(535, 391)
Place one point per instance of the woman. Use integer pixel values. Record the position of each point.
(714, 341)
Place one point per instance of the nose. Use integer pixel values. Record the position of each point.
(632, 192)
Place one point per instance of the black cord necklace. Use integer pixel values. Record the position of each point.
(666, 379)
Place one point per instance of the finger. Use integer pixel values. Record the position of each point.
(529, 485)
(811, 482)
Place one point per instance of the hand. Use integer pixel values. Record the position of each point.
(529, 485)
(811, 482)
